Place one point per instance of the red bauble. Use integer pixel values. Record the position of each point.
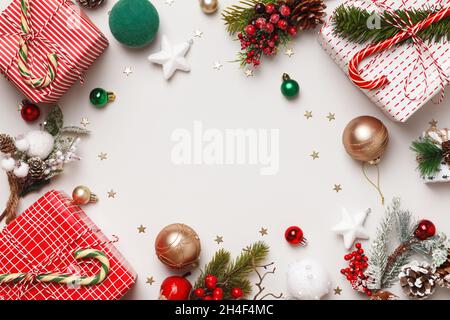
(199, 292)
(237, 293)
(211, 281)
(285, 10)
(282, 24)
(29, 111)
(250, 30)
(218, 294)
(270, 8)
(425, 229)
(175, 288)
(294, 235)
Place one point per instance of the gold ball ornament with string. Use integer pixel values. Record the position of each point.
(82, 195)
(178, 246)
(209, 6)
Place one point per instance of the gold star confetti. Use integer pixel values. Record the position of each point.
(198, 33)
(112, 194)
(331, 116)
(337, 188)
(103, 156)
(249, 73)
(141, 229)
(337, 291)
(308, 114)
(84, 122)
(263, 232)
(433, 123)
(150, 280)
(219, 239)
(289, 52)
(314, 155)
(127, 71)
(217, 65)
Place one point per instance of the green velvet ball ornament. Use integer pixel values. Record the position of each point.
(134, 23)
(289, 87)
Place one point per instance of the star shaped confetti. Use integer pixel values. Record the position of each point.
(217, 65)
(337, 188)
(141, 229)
(103, 156)
(351, 227)
(433, 123)
(314, 155)
(263, 232)
(150, 280)
(289, 52)
(331, 116)
(219, 239)
(337, 291)
(308, 115)
(248, 73)
(84, 122)
(127, 71)
(112, 194)
(172, 57)
(198, 33)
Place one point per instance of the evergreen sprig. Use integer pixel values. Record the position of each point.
(429, 156)
(236, 17)
(231, 274)
(355, 24)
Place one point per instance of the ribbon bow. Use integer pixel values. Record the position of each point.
(409, 30)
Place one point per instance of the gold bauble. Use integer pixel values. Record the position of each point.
(178, 246)
(365, 139)
(82, 195)
(209, 6)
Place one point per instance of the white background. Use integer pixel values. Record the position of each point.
(231, 201)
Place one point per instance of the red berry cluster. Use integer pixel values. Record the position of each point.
(213, 291)
(262, 34)
(355, 271)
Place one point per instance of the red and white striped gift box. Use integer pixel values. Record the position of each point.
(43, 239)
(64, 26)
(397, 63)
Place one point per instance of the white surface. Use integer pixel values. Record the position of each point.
(232, 201)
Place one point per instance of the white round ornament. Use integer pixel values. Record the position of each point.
(307, 280)
(8, 164)
(22, 170)
(41, 143)
(22, 144)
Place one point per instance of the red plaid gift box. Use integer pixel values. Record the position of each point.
(411, 85)
(43, 240)
(51, 27)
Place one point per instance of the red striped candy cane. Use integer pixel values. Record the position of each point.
(353, 67)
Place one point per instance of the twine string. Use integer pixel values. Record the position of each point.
(377, 184)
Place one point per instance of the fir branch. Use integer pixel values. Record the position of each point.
(354, 23)
(55, 120)
(236, 17)
(429, 156)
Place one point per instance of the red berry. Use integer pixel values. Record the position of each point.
(199, 292)
(425, 229)
(237, 293)
(271, 43)
(207, 298)
(250, 29)
(292, 31)
(294, 235)
(358, 245)
(274, 18)
(282, 24)
(218, 293)
(29, 112)
(269, 27)
(285, 10)
(211, 281)
(270, 8)
(260, 23)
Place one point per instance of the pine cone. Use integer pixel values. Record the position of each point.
(383, 295)
(418, 280)
(443, 273)
(91, 4)
(7, 144)
(446, 151)
(307, 14)
(37, 168)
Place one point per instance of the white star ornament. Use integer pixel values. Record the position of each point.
(351, 227)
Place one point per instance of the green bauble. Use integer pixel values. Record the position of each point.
(289, 87)
(100, 97)
(134, 23)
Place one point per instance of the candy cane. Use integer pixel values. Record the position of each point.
(22, 60)
(353, 68)
(66, 278)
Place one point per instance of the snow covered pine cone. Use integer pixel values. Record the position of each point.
(443, 273)
(307, 14)
(37, 168)
(90, 3)
(7, 144)
(418, 280)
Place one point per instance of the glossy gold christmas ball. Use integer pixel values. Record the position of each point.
(82, 195)
(178, 246)
(365, 139)
(209, 6)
